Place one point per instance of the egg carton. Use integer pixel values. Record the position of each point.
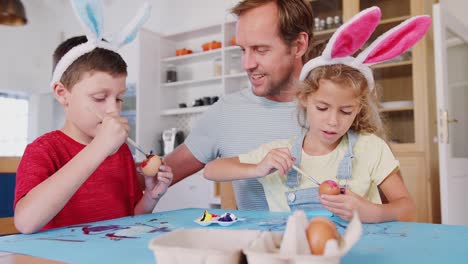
(214, 246)
(293, 246)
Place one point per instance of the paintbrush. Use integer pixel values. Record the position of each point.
(305, 174)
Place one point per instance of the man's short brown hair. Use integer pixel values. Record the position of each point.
(294, 16)
(97, 60)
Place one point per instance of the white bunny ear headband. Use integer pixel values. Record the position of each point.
(89, 13)
(352, 35)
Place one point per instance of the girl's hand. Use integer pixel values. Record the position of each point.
(157, 185)
(343, 206)
(277, 159)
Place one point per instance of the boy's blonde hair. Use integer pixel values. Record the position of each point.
(368, 119)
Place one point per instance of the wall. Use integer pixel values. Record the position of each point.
(184, 15)
(26, 65)
(458, 9)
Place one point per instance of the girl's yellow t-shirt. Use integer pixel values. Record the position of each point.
(373, 161)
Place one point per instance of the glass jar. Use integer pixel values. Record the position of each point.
(235, 64)
(171, 74)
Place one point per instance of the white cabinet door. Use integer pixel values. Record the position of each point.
(451, 61)
(193, 192)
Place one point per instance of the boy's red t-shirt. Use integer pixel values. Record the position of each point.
(112, 190)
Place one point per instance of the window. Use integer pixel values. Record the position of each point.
(14, 124)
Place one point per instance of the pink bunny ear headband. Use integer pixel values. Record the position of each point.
(352, 35)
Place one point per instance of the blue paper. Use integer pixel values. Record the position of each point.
(125, 240)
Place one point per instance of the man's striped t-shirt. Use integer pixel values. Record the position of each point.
(236, 124)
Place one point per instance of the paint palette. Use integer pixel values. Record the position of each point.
(225, 219)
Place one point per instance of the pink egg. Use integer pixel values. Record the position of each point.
(329, 187)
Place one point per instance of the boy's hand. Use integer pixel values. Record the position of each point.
(343, 205)
(277, 159)
(112, 133)
(157, 185)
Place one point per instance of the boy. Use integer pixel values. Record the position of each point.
(84, 172)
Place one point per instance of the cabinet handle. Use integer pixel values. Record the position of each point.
(444, 122)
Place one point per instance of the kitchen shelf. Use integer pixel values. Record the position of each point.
(393, 20)
(200, 55)
(232, 48)
(325, 32)
(236, 75)
(397, 109)
(392, 64)
(194, 57)
(193, 82)
(184, 111)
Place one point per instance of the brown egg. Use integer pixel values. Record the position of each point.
(318, 232)
(150, 166)
(329, 187)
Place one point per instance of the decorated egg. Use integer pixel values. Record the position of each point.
(150, 166)
(319, 231)
(329, 187)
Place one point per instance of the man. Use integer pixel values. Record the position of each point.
(274, 36)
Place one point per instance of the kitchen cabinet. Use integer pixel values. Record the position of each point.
(211, 73)
(193, 192)
(406, 90)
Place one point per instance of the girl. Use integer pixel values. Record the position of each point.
(343, 138)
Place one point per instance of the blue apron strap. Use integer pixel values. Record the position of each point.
(345, 166)
(294, 178)
(307, 199)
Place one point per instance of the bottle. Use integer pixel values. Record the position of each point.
(235, 64)
(337, 21)
(329, 22)
(322, 24)
(217, 67)
(316, 24)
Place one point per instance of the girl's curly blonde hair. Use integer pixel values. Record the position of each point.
(368, 120)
